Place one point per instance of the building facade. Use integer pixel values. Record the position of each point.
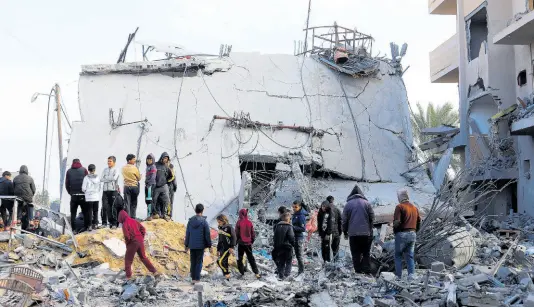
(491, 59)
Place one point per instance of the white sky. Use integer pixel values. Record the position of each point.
(43, 42)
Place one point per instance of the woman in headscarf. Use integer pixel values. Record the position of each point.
(134, 237)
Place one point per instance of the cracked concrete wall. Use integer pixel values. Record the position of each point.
(273, 89)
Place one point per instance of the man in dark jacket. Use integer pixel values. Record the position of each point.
(197, 238)
(244, 230)
(73, 184)
(6, 189)
(358, 217)
(329, 227)
(160, 199)
(284, 239)
(24, 189)
(299, 228)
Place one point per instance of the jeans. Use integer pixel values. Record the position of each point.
(241, 251)
(75, 201)
(130, 196)
(299, 254)
(404, 247)
(160, 200)
(109, 212)
(327, 242)
(196, 256)
(360, 249)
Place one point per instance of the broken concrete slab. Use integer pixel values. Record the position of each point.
(322, 299)
(116, 246)
(467, 281)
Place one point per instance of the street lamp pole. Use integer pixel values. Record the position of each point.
(59, 132)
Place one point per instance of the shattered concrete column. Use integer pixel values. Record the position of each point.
(245, 191)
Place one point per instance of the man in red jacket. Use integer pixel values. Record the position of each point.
(245, 238)
(134, 237)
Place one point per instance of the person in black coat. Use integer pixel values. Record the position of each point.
(6, 189)
(73, 185)
(226, 244)
(282, 254)
(329, 227)
(24, 189)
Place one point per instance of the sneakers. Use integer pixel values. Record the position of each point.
(155, 216)
(258, 276)
(227, 276)
(149, 218)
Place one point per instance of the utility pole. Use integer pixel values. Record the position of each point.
(59, 132)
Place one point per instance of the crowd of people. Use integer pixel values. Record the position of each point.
(85, 188)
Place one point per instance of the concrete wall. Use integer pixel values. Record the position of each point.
(268, 87)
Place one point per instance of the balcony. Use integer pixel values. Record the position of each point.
(520, 32)
(444, 62)
(523, 127)
(442, 7)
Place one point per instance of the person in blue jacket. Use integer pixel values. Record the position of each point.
(197, 239)
(299, 228)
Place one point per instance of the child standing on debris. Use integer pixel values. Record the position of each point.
(284, 237)
(134, 237)
(150, 184)
(226, 244)
(91, 188)
(244, 230)
(197, 239)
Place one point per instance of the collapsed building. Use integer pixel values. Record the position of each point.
(338, 115)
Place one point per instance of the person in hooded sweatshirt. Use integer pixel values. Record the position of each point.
(358, 217)
(225, 245)
(160, 199)
(91, 188)
(299, 228)
(244, 230)
(24, 189)
(6, 189)
(197, 239)
(329, 227)
(150, 183)
(284, 238)
(134, 237)
(73, 184)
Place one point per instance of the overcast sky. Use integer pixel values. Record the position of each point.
(44, 42)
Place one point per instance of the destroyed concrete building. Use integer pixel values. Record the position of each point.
(490, 58)
(219, 116)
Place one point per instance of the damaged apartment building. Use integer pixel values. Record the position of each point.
(490, 58)
(260, 129)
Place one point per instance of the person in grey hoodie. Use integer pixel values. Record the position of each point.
(110, 188)
(24, 189)
(150, 184)
(358, 217)
(91, 187)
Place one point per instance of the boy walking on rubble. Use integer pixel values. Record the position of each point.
(197, 239)
(284, 238)
(406, 222)
(134, 237)
(244, 230)
(226, 244)
(329, 226)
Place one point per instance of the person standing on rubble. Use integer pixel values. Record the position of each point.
(225, 245)
(284, 239)
(172, 190)
(24, 189)
(131, 177)
(73, 184)
(134, 237)
(150, 184)
(197, 239)
(406, 222)
(110, 188)
(358, 217)
(244, 230)
(299, 227)
(91, 188)
(329, 222)
(6, 189)
(160, 199)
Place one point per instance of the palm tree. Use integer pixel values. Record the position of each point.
(433, 116)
